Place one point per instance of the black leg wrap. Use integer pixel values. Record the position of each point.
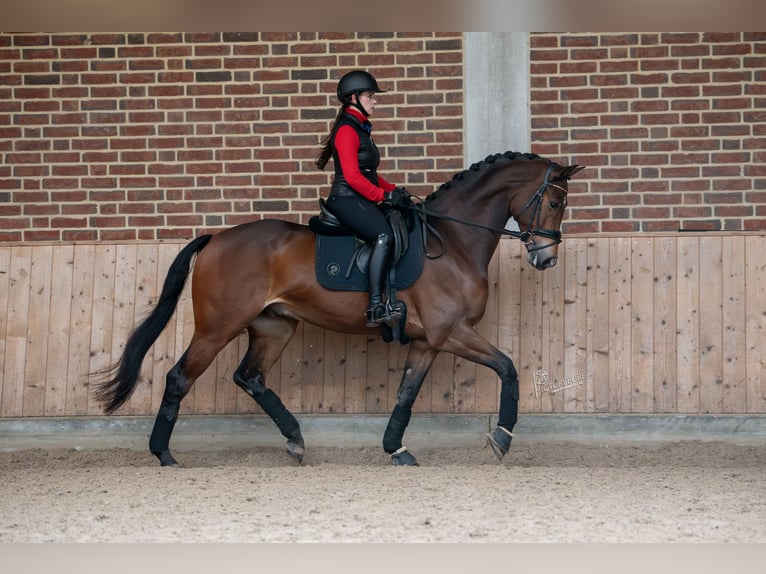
(159, 442)
(392, 438)
(509, 409)
(284, 419)
(500, 438)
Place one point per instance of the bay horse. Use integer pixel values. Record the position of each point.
(260, 277)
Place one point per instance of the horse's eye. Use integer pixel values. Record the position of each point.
(554, 205)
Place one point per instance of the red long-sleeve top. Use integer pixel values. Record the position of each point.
(347, 145)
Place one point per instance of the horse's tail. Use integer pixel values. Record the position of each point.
(114, 392)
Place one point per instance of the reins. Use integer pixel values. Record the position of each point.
(525, 236)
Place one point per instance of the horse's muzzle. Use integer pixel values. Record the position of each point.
(542, 259)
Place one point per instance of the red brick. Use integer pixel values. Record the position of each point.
(654, 226)
(620, 226)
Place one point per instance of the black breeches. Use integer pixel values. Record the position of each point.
(361, 216)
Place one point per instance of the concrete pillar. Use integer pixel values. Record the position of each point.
(496, 95)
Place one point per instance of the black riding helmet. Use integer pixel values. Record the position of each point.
(357, 82)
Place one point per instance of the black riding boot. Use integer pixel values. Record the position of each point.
(378, 312)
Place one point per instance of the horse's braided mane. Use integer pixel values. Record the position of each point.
(479, 166)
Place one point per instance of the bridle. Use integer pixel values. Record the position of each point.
(535, 203)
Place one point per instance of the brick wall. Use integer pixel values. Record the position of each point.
(150, 136)
(672, 125)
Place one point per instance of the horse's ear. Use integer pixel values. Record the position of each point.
(570, 170)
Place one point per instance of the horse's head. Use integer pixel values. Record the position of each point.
(539, 209)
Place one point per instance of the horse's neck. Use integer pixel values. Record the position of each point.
(475, 243)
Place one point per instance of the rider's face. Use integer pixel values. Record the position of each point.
(368, 101)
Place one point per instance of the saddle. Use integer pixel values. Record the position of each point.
(342, 259)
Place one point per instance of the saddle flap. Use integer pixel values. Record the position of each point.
(341, 262)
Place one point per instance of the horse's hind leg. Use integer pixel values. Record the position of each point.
(178, 382)
(269, 334)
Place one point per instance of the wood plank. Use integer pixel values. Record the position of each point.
(665, 292)
(356, 374)
(688, 324)
(123, 312)
(755, 292)
(146, 292)
(101, 326)
(334, 387)
(437, 388)
(81, 317)
(376, 376)
(642, 322)
(17, 321)
(531, 370)
(313, 369)
(553, 335)
(59, 330)
(734, 321)
(291, 369)
(35, 372)
(5, 274)
(598, 350)
(711, 318)
(619, 301)
(575, 328)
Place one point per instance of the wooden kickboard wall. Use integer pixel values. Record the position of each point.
(641, 324)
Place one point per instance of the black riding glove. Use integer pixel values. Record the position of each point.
(398, 196)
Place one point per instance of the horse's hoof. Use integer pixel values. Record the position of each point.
(296, 451)
(500, 441)
(403, 457)
(166, 459)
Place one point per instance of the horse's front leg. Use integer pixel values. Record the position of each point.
(467, 343)
(419, 360)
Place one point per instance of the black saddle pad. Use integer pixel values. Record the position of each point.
(335, 254)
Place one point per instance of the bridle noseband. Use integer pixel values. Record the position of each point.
(536, 203)
(527, 236)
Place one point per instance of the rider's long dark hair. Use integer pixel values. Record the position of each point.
(326, 153)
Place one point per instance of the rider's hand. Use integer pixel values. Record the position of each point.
(398, 196)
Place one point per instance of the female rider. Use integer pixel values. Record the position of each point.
(357, 189)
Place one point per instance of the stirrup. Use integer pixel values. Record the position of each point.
(382, 313)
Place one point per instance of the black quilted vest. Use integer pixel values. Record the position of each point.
(369, 158)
